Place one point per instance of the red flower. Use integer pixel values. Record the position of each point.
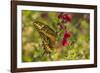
(61, 26)
(67, 35)
(65, 39)
(67, 17)
(65, 42)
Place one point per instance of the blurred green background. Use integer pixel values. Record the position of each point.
(33, 51)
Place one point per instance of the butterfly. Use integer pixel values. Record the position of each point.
(47, 35)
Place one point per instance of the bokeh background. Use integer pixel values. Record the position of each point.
(32, 48)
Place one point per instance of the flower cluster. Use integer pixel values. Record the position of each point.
(65, 17)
